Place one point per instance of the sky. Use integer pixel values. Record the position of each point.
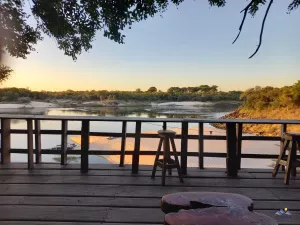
(188, 46)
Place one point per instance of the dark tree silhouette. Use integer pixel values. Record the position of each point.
(152, 89)
(73, 24)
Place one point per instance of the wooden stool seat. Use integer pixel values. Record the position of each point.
(195, 200)
(290, 162)
(218, 216)
(166, 133)
(292, 136)
(166, 163)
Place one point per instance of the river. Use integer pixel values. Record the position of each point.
(164, 110)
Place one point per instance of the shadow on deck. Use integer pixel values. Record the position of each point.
(53, 194)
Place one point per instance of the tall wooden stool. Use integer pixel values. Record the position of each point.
(289, 161)
(166, 163)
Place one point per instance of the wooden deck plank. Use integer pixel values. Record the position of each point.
(137, 215)
(191, 174)
(294, 219)
(56, 166)
(81, 201)
(146, 181)
(126, 202)
(125, 191)
(276, 205)
(64, 223)
(194, 174)
(53, 213)
(57, 190)
(139, 191)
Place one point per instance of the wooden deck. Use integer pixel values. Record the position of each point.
(53, 194)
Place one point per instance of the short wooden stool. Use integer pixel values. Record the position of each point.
(289, 161)
(166, 163)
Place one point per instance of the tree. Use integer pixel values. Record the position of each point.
(73, 24)
(152, 89)
(4, 73)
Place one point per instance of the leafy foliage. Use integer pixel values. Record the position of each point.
(73, 23)
(4, 73)
(270, 97)
(152, 89)
(14, 94)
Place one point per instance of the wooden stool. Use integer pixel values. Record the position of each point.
(289, 161)
(166, 137)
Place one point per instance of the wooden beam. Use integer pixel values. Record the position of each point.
(136, 152)
(239, 135)
(201, 146)
(5, 141)
(123, 143)
(184, 144)
(37, 140)
(85, 146)
(64, 142)
(30, 143)
(231, 143)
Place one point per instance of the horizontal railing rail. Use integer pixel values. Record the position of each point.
(233, 137)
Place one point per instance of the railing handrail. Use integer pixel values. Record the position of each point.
(137, 119)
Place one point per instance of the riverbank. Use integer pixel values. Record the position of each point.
(120, 108)
(265, 129)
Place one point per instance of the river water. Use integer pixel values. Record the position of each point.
(166, 110)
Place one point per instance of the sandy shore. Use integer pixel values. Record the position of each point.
(105, 143)
(33, 107)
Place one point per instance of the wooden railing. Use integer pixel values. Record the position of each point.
(234, 137)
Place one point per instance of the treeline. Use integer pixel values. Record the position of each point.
(269, 97)
(199, 93)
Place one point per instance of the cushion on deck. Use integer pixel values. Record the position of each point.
(194, 200)
(218, 216)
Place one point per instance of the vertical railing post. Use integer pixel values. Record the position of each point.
(239, 136)
(184, 143)
(136, 151)
(231, 143)
(201, 146)
(164, 125)
(64, 142)
(85, 129)
(30, 143)
(283, 129)
(123, 143)
(5, 141)
(37, 140)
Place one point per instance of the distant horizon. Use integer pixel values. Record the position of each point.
(144, 90)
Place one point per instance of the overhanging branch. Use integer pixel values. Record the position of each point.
(262, 28)
(245, 10)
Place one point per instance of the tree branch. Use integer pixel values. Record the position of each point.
(245, 10)
(262, 29)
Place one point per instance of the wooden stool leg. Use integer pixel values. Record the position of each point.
(280, 157)
(165, 160)
(290, 160)
(176, 160)
(157, 157)
(294, 158)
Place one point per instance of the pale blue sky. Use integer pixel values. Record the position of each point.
(189, 46)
